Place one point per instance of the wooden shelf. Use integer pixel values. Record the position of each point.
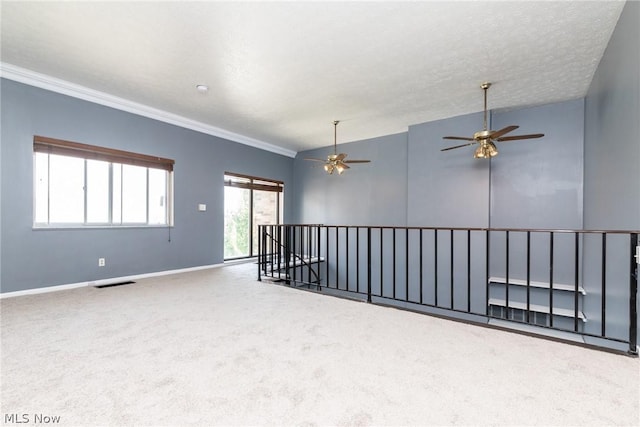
(538, 308)
(535, 284)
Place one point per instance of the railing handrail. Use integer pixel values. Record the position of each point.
(416, 227)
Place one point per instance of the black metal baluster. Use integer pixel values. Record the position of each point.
(358, 259)
(318, 252)
(506, 303)
(272, 253)
(394, 263)
(346, 231)
(421, 262)
(309, 243)
(468, 271)
(551, 279)
(451, 267)
(326, 260)
(381, 263)
(604, 285)
(486, 266)
(576, 293)
(279, 245)
(295, 251)
(368, 264)
(264, 250)
(633, 295)
(337, 258)
(528, 275)
(435, 270)
(289, 250)
(260, 253)
(304, 248)
(406, 264)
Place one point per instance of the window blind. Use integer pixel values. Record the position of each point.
(60, 147)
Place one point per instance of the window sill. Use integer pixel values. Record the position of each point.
(94, 227)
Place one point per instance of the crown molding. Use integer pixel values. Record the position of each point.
(43, 81)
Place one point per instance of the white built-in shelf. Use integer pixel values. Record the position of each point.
(299, 262)
(536, 284)
(538, 308)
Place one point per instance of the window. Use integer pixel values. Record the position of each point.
(84, 185)
(248, 202)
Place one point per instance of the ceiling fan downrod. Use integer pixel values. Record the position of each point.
(485, 86)
(335, 135)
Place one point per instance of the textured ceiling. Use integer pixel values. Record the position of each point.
(281, 72)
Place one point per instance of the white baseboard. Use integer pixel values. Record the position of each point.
(56, 288)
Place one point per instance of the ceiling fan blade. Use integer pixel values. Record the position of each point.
(341, 156)
(517, 137)
(315, 160)
(460, 138)
(457, 146)
(499, 133)
(356, 161)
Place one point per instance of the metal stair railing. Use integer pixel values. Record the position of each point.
(577, 285)
(284, 256)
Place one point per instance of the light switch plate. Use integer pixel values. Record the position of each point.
(202, 207)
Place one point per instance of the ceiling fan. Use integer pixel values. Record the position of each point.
(487, 138)
(336, 162)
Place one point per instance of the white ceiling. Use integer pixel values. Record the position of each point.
(281, 72)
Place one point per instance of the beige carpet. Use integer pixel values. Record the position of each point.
(216, 347)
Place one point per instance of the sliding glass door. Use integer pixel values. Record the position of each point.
(248, 202)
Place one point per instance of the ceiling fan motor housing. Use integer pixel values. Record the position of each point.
(483, 134)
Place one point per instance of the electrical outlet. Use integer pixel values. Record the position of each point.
(101, 262)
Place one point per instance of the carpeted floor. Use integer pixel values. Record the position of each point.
(216, 347)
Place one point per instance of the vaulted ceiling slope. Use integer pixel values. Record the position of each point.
(281, 72)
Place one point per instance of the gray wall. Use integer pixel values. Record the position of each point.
(537, 183)
(37, 258)
(531, 184)
(446, 188)
(366, 194)
(612, 131)
(612, 165)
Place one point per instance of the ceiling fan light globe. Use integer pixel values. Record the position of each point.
(491, 149)
(340, 169)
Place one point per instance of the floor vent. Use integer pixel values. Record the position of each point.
(110, 285)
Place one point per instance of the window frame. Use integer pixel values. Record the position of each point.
(247, 182)
(113, 157)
